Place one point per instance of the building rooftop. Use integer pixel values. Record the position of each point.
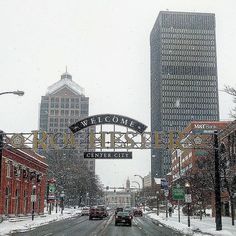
(66, 80)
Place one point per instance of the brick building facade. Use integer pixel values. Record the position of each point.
(23, 172)
(184, 161)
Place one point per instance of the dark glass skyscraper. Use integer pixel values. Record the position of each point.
(183, 76)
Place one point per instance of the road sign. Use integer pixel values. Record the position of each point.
(178, 193)
(164, 184)
(33, 198)
(166, 192)
(188, 198)
(51, 187)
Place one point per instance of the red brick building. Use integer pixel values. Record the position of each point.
(185, 160)
(23, 173)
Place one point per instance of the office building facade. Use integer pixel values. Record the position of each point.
(184, 85)
(63, 105)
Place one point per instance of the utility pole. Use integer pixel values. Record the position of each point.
(217, 184)
(1, 151)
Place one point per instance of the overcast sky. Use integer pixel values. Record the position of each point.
(105, 45)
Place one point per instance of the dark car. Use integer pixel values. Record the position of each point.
(104, 209)
(130, 211)
(119, 209)
(123, 218)
(138, 212)
(97, 212)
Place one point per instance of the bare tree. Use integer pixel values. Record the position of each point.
(202, 179)
(231, 91)
(71, 174)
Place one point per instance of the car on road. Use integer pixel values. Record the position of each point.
(97, 212)
(129, 210)
(137, 212)
(85, 211)
(123, 217)
(119, 209)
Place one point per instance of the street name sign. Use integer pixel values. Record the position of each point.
(178, 193)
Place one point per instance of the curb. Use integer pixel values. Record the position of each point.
(188, 234)
(157, 222)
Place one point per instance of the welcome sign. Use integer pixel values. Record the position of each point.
(108, 119)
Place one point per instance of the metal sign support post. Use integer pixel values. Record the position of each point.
(166, 193)
(166, 208)
(178, 211)
(33, 200)
(33, 211)
(157, 202)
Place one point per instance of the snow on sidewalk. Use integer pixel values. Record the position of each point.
(26, 223)
(198, 227)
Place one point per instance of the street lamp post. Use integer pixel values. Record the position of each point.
(144, 197)
(142, 178)
(217, 184)
(188, 200)
(137, 184)
(19, 93)
(157, 192)
(62, 195)
(33, 200)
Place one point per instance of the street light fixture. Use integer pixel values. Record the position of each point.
(137, 184)
(17, 92)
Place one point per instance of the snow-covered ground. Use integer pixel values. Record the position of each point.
(206, 226)
(21, 224)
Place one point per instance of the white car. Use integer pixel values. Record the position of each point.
(85, 211)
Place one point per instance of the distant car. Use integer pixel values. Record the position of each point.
(123, 217)
(97, 212)
(138, 212)
(129, 210)
(85, 211)
(119, 209)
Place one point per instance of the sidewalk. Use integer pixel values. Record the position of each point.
(21, 224)
(198, 227)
